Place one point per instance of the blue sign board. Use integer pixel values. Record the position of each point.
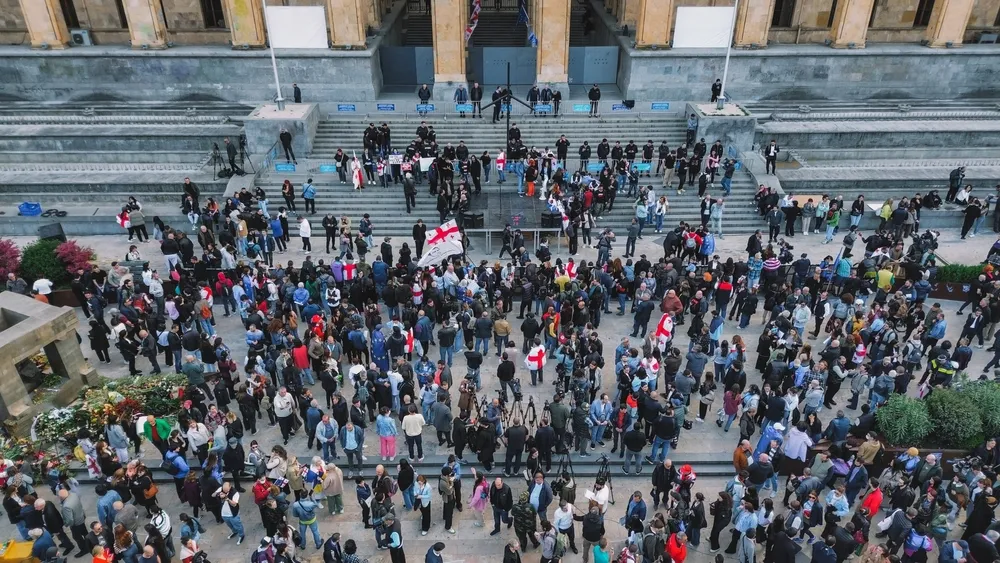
(595, 167)
(425, 107)
(327, 168)
(386, 107)
(642, 166)
(732, 152)
(346, 107)
(505, 108)
(544, 108)
(581, 107)
(620, 107)
(659, 106)
(463, 107)
(284, 168)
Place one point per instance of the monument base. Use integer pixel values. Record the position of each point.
(733, 125)
(264, 125)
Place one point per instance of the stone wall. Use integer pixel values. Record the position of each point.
(12, 28)
(813, 72)
(183, 72)
(99, 15)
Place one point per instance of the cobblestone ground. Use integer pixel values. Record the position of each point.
(472, 544)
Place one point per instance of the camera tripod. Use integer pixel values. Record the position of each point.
(217, 162)
(527, 415)
(245, 153)
(604, 473)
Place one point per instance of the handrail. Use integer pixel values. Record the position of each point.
(407, 108)
(269, 157)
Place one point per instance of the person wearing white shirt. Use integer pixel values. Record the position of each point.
(562, 520)
(305, 231)
(600, 495)
(231, 510)
(42, 286)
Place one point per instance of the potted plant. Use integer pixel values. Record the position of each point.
(953, 280)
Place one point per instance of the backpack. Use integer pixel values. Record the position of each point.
(206, 312)
(393, 486)
(560, 548)
(171, 467)
(915, 354)
(840, 310)
(362, 394)
(255, 556)
(689, 242)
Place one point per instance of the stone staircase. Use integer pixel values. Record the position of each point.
(499, 29)
(417, 30)
(387, 207)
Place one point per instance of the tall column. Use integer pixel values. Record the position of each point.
(46, 23)
(552, 29)
(656, 22)
(630, 13)
(949, 18)
(146, 27)
(374, 8)
(753, 20)
(346, 20)
(850, 23)
(448, 20)
(246, 23)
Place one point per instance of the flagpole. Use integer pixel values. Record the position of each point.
(729, 49)
(274, 63)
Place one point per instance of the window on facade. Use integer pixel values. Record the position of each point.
(69, 13)
(783, 11)
(996, 21)
(871, 18)
(121, 14)
(212, 11)
(923, 16)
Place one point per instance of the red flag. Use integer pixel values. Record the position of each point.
(535, 360)
(409, 341)
(665, 328)
(571, 269)
(349, 271)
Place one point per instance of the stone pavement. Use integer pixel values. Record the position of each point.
(472, 544)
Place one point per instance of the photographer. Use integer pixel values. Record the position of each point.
(515, 437)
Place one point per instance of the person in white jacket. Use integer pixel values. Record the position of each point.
(305, 231)
(283, 408)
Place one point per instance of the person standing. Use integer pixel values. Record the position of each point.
(502, 501)
(75, 517)
(296, 93)
(230, 498)
(476, 95)
(716, 90)
(309, 196)
(419, 237)
(446, 487)
(394, 535)
(771, 156)
(594, 95)
(286, 143)
(305, 231)
(461, 97)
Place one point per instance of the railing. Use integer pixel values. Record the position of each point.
(423, 6)
(607, 110)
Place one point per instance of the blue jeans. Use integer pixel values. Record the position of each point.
(659, 222)
(729, 421)
(307, 376)
(501, 175)
(500, 515)
(633, 458)
(330, 451)
(596, 435)
(206, 327)
(659, 443)
(642, 223)
(235, 524)
(447, 354)
(476, 378)
(829, 232)
(500, 342)
(408, 498)
(855, 220)
(485, 342)
(727, 184)
(536, 374)
(315, 532)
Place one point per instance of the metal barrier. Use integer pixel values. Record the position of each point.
(536, 234)
(406, 109)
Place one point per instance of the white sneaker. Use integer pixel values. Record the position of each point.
(452, 531)
(422, 533)
(385, 458)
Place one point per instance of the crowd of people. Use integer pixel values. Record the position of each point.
(338, 350)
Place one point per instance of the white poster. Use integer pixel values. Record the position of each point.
(297, 27)
(703, 27)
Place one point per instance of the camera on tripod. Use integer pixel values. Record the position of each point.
(515, 387)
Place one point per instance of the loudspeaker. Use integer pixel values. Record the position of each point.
(52, 231)
(630, 104)
(551, 220)
(472, 220)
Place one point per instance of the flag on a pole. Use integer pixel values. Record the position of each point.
(535, 360)
(665, 328)
(522, 12)
(350, 270)
(442, 242)
(473, 19)
(409, 341)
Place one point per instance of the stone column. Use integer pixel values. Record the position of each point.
(346, 20)
(146, 27)
(374, 9)
(949, 19)
(850, 24)
(753, 20)
(46, 23)
(552, 28)
(630, 13)
(448, 19)
(656, 21)
(246, 23)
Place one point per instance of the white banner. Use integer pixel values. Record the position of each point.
(703, 27)
(442, 242)
(297, 27)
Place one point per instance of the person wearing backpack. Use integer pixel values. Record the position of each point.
(175, 465)
(547, 537)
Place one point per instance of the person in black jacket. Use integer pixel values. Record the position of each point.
(419, 237)
(501, 500)
(722, 510)
(476, 96)
(594, 95)
(664, 477)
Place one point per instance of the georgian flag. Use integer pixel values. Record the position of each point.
(350, 270)
(665, 328)
(409, 341)
(535, 360)
(571, 269)
(651, 365)
(442, 242)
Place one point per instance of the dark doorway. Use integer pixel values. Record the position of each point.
(211, 10)
(783, 12)
(69, 14)
(923, 16)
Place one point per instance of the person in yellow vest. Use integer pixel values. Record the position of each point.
(884, 279)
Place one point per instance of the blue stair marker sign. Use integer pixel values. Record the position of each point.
(463, 107)
(660, 106)
(595, 167)
(284, 167)
(328, 168)
(543, 108)
(581, 107)
(642, 166)
(505, 108)
(386, 107)
(346, 107)
(620, 107)
(425, 107)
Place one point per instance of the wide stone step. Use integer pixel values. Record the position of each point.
(881, 134)
(111, 157)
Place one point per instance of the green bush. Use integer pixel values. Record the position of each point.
(955, 425)
(903, 420)
(39, 260)
(985, 397)
(958, 273)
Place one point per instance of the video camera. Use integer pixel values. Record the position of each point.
(515, 387)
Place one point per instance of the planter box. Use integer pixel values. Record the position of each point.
(63, 298)
(950, 291)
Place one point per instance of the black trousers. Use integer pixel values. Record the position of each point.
(289, 151)
(769, 164)
(411, 201)
(772, 232)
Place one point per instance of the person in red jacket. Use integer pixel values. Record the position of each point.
(676, 547)
(873, 500)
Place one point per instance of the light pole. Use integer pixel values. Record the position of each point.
(274, 64)
(721, 102)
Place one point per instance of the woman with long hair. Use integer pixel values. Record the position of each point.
(480, 497)
(423, 501)
(722, 511)
(288, 193)
(125, 548)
